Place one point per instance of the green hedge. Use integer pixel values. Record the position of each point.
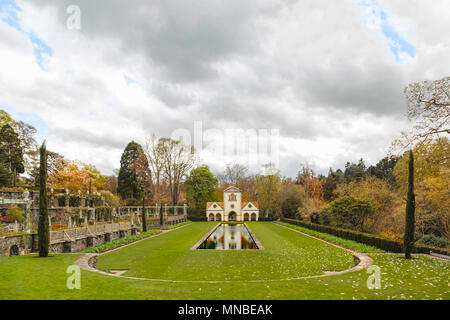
(120, 242)
(366, 238)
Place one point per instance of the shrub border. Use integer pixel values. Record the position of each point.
(366, 238)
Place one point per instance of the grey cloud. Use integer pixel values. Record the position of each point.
(305, 67)
(91, 137)
(182, 39)
(377, 88)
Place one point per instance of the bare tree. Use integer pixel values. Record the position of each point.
(170, 162)
(233, 174)
(178, 160)
(429, 110)
(154, 153)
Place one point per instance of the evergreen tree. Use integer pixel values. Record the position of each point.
(331, 183)
(5, 177)
(354, 171)
(410, 210)
(11, 154)
(384, 169)
(144, 218)
(43, 227)
(348, 212)
(134, 174)
(290, 206)
(200, 188)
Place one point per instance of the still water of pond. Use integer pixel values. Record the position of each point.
(229, 237)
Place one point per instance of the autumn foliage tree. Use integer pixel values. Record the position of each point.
(382, 195)
(268, 190)
(313, 186)
(74, 176)
(431, 177)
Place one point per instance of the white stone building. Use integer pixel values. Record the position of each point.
(232, 208)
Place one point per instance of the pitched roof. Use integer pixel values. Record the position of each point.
(209, 204)
(254, 203)
(232, 189)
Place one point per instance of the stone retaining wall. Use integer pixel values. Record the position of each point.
(89, 241)
(15, 245)
(70, 241)
(25, 244)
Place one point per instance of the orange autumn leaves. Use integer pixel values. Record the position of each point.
(74, 176)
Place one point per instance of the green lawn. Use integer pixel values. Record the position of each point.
(164, 256)
(287, 254)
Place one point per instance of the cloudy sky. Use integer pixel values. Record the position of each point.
(328, 74)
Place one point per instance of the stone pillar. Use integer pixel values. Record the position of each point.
(67, 197)
(52, 199)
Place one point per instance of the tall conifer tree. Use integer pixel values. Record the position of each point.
(144, 218)
(410, 210)
(134, 174)
(11, 155)
(43, 227)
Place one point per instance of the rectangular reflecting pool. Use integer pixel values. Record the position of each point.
(229, 237)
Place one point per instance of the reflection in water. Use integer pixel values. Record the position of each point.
(229, 237)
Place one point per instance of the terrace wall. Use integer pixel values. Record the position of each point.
(78, 239)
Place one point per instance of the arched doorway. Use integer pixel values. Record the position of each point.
(253, 216)
(14, 250)
(218, 217)
(246, 216)
(232, 216)
(211, 217)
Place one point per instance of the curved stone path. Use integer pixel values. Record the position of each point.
(88, 262)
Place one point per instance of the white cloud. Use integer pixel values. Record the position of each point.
(312, 69)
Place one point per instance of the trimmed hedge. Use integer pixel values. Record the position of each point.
(120, 242)
(196, 218)
(366, 238)
(267, 218)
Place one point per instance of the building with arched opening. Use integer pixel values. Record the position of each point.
(232, 208)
